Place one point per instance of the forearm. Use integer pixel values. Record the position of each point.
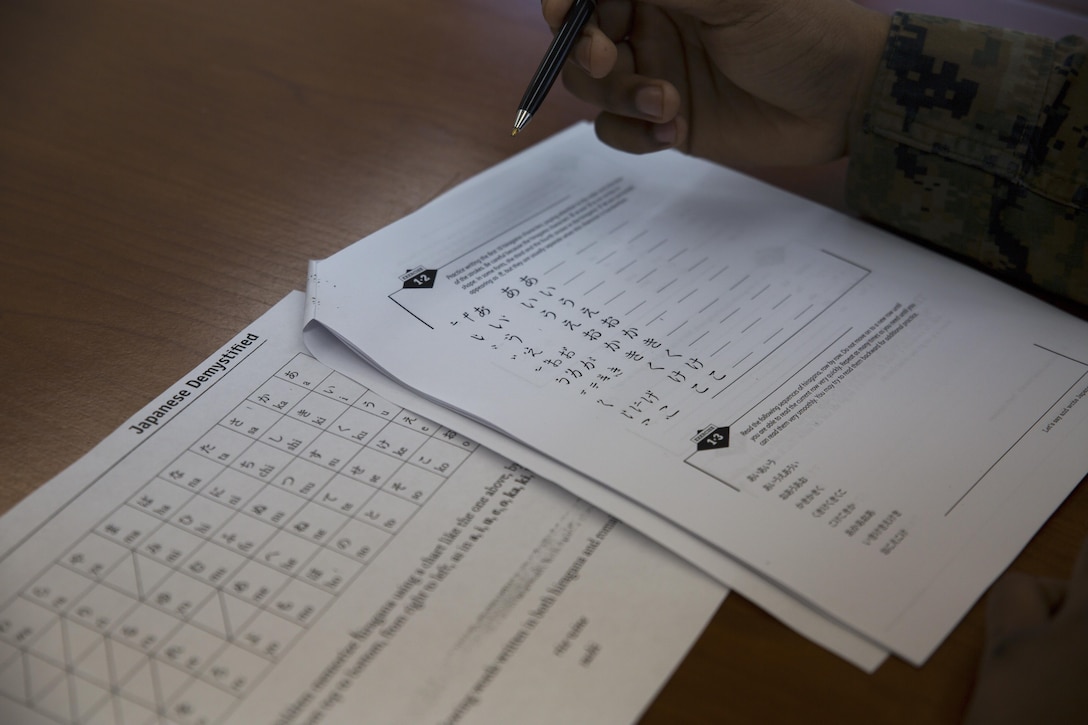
(976, 140)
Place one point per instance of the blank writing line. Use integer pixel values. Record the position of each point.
(782, 302)
(621, 226)
(716, 274)
(698, 264)
(678, 327)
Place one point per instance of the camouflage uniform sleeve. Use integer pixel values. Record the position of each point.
(976, 140)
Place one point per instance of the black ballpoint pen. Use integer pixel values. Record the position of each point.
(545, 75)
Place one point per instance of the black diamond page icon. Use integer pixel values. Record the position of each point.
(421, 280)
(718, 438)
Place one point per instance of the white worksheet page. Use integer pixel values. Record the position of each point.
(873, 426)
(270, 541)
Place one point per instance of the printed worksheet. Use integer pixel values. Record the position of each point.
(270, 541)
(872, 426)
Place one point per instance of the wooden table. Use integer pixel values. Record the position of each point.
(167, 168)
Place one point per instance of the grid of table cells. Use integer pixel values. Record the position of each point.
(176, 604)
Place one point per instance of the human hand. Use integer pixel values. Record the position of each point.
(1035, 664)
(739, 82)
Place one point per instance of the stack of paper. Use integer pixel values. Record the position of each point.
(853, 431)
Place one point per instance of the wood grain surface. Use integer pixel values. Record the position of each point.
(167, 169)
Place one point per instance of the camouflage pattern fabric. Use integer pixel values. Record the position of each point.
(976, 140)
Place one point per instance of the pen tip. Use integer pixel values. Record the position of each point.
(523, 117)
